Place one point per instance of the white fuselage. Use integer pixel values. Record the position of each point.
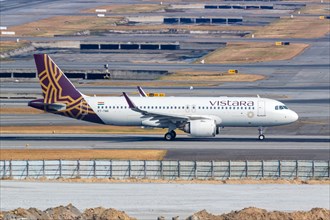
(226, 111)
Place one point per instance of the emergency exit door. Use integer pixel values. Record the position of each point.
(261, 107)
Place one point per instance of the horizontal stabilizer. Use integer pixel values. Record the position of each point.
(56, 106)
(47, 107)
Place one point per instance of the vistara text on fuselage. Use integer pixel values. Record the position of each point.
(197, 116)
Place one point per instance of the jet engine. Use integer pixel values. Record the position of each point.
(201, 128)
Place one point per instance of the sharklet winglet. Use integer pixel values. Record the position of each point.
(142, 92)
(131, 104)
(129, 101)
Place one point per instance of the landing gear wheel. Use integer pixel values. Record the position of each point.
(261, 137)
(173, 134)
(261, 133)
(169, 136)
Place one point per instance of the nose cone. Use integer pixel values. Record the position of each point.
(293, 116)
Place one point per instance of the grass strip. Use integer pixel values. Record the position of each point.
(296, 27)
(20, 110)
(204, 76)
(64, 154)
(65, 25)
(128, 9)
(88, 129)
(251, 52)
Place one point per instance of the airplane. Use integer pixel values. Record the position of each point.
(196, 116)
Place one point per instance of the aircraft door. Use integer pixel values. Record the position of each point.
(261, 107)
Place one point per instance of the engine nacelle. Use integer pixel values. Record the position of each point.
(201, 128)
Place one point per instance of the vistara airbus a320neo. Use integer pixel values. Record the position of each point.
(197, 116)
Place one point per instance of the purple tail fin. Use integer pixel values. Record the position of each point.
(54, 84)
(60, 95)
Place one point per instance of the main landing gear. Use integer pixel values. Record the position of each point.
(170, 135)
(261, 134)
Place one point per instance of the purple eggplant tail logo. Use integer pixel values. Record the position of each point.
(60, 95)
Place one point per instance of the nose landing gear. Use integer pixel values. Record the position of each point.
(261, 134)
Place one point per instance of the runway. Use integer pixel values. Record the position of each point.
(227, 147)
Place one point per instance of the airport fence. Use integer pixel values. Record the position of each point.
(187, 170)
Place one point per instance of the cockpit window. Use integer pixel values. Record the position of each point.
(280, 107)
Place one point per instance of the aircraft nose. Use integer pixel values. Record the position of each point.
(293, 116)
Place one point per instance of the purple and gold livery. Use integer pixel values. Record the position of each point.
(60, 96)
(197, 116)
